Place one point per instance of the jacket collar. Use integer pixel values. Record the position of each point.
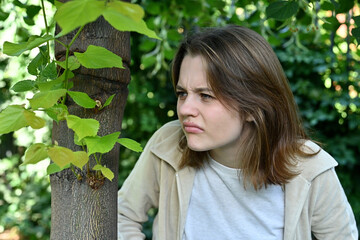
(297, 190)
(167, 147)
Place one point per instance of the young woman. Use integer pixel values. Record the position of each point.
(237, 164)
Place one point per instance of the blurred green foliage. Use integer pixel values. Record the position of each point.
(319, 56)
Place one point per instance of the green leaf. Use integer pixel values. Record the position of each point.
(108, 101)
(82, 99)
(35, 153)
(282, 10)
(105, 171)
(131, 10)
(130, 144)
(19, 4)
(73, 63)
(124, 23)
(23, 86)
(98, 57)
(32, 10)
(54, 84)
(101, 144)
(39, 62)
(15, 117)
(50, 85)
(34, 121)
(74, 14)
(13, 49)
(61, 155)
(58, 4)
(12, 118)
(3, 15)
(77, 142)
(29, 21)
(49, 71)
(356, 33)
(53, 168)
(46, 99)
(97, 167)
(83, 127)
(357, 20)
(81, 158)
(57, 112)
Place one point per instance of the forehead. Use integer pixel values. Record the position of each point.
(193, 72)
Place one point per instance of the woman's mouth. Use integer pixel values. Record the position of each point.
(192, 128)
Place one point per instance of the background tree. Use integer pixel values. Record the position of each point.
(84, 202)
(314, 44)
(80, 210)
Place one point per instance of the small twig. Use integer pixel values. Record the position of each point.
(47, 30)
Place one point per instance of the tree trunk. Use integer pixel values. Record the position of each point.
(80, 210)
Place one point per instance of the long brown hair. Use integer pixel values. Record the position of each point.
(246, 75)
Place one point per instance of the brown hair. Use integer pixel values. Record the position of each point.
(246, 75)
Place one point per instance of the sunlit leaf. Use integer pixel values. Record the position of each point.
(131, 10)
(12, 118)
(282, 10)
(23, 86)
(57, 112)
(46, 99)
(105, 171)
(39, 62)
(101, 144)
(14, 49)
(58, 4)
(124, 23)
(35, 153)
(61, 155)
(81, 158)
(34, 121)
(74, 14)
(77, 142)
(53, 168)
(82, 99)
(50, 85)
(130, 144)
(49, 71)
(97, 167)
(108, 101)
(73, 63)
(99, 57)
(83, 127)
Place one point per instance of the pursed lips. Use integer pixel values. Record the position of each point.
(190, 127)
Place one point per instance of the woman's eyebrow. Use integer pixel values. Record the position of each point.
(197, 90)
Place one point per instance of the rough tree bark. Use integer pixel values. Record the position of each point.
(79, 211)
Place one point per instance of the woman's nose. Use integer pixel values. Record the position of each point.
(187, 107)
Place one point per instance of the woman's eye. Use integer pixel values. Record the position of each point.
(205, 96)
(180, 94)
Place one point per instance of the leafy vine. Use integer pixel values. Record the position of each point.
(52, 86)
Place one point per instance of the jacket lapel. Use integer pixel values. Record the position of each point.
(296, 193)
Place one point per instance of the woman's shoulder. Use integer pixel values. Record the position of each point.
(170, 130)
(165, 142)
(312, 166)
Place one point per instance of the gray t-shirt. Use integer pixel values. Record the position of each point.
(220, 208)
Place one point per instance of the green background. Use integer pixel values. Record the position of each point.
(319, 56)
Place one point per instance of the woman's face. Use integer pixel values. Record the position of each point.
(208, 125)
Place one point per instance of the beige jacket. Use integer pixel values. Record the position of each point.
(315, 202)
